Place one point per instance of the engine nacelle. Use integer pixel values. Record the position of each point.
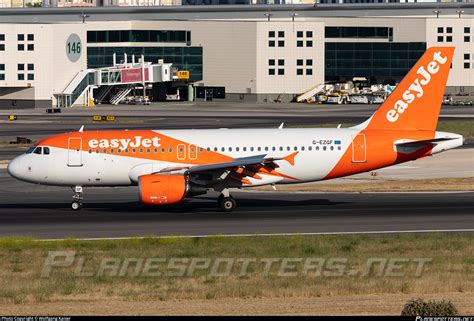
(161, 189)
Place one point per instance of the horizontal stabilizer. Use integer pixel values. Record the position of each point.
(410, 146)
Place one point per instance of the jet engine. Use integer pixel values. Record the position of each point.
(161, 189)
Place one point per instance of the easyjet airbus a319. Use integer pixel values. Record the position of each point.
(170, 165)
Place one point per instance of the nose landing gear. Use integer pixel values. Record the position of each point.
(76, 204)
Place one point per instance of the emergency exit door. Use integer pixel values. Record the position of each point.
(359, 149)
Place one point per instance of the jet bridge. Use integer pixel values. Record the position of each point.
(116, 81)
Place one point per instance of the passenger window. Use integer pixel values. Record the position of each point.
(259, 148)
(223, 149)
(324, 147)
(310, 148)
(156, 150)
(237, 149)
(90, 151)
(134, 150)
(251, 149)
(30, 150)
(317, 147)
(230, 149)
(38, 150)
(266, 148)
(332, 147)
(141, 150)
(288, 148)
(215, 149)
(147, 150)
(281, 148)
(171, 150)
(245, 149)
(302, 148)
(104, 151)
(295, 148)
(112, 151)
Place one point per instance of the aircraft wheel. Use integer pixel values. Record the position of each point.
(76, 206)
(227, 204)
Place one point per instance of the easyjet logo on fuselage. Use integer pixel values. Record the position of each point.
(124, 143)
(416, 89)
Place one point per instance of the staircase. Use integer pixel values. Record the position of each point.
(115, 100)
(310, 93)
(102, 93)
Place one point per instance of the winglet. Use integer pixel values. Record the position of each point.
(81, 129)
(281, 126)
(291, 158)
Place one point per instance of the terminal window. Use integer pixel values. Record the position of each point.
(105, 36)
(2, 71)
(379, 62)
(2, 45)
(303, 65)
(304, 37)
(276, 38)
(359, 32)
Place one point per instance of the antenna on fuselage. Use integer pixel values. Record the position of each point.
(81, 129)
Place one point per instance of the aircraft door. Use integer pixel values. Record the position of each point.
(74, 153)
(359, 151)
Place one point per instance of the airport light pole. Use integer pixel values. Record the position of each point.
(293, 15)
(437, 11)
(268, 15)
(84, 17)
(459, 12)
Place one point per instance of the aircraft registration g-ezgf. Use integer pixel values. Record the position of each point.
(170, 165)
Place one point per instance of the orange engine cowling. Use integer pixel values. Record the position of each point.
(162, 189)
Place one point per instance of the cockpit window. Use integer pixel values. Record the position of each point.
(38, 150)
(46, 150)
(30, 150)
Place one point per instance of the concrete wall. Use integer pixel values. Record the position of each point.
(459, 76)
(290, 82)
(52, 68)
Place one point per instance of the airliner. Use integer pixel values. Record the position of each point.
(168, 166)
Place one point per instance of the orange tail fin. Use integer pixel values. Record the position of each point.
(416, 102)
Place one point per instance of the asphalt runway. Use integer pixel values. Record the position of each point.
(43, 212)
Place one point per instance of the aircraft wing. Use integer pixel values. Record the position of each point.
(236, 163)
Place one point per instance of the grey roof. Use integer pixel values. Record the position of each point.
(72, 14)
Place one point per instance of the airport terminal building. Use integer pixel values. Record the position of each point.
(252, 53)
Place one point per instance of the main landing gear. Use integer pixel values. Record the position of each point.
(226, 202)
(76, 204)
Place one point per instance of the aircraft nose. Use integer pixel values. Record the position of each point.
(15, 168)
